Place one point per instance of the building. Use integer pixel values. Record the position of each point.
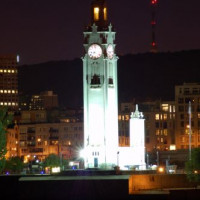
(188, 92)
(12, 142)
(9, 81)
(41, 139)
(100, 90)
(35, 136)
(45, 100)
(159, 124)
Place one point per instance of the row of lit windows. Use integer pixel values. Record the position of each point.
(168, 108)
(164, 116)
(8, 104)
(9, 71)
(162, 140)
(8, 91)
(123, 117)
(162, 132)
(160, 116)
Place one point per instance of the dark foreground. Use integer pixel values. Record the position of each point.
(97, 187)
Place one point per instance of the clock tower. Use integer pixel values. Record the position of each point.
(100, 90)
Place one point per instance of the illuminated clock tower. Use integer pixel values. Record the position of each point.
(100, 90)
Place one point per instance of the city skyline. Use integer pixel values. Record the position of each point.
(44, 31)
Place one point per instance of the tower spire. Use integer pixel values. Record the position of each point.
(99, 14)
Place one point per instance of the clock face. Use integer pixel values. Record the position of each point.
(95, 51)
(110, 51)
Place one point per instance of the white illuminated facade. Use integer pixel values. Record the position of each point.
(101, 146)
(100, 91)
(134, 156)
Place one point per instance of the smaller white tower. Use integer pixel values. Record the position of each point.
(137, 138)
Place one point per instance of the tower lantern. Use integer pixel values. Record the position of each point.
(99, 14)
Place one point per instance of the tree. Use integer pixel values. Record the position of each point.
(193, 166)
(14, 165)
(54, 161)
(5, 120)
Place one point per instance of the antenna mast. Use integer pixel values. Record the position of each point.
(154, 4)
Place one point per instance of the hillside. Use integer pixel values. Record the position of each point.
(141, 76)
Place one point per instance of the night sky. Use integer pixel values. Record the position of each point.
(44, 30)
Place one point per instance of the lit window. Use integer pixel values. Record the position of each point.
(199, 115)
(126, 117)
(157, 132)
(105, 13)
(157, 117)
(165, 132)
(165, 116)
(182, 139)
(165, 107)
(96, 14)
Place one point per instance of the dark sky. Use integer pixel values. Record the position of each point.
(44, 30)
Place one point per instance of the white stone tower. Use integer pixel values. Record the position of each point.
(137, 138)
(100, 90)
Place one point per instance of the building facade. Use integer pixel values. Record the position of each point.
(45, 100)
(188, 92)
(40, 140)
(9, 81)
(159, 124)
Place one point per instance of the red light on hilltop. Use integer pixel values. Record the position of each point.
(153, 44)
(154, 1)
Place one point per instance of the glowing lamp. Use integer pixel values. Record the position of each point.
(161, 169)
(82, 153)
(55, 170)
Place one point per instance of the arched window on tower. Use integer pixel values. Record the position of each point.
(105, 14)
(96, 14)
